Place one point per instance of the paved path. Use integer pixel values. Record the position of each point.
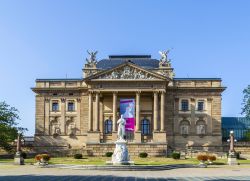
(30, 173)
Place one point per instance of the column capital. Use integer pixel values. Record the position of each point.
(163, 91)
(47, 99)
(156, 92)
(138, 92)
(115, 92)
(79, 100)
(63, 100)
(97, 92)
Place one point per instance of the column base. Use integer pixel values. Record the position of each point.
(94, 137)
(137, 137)
(159, 137)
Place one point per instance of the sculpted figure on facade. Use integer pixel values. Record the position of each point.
(71, 127)
(91, 61)
(127, 73)
(164, 61)
(55, 128)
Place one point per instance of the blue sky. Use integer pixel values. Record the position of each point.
(49, 39)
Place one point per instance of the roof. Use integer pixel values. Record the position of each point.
(144, 61)
(54, 80)
(180, 79)
(235, 123)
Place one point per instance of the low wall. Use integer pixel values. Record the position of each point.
(153, 149)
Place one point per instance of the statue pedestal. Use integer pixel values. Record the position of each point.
(120, 155)
(18, 160)
(232, 160)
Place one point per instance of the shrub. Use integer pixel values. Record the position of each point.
(78, 156)
(202, 157)
(211, 157)
(176, 155)
(143, 155)
(24, 155)
(109, 154)
(45, 157)
(38, 157)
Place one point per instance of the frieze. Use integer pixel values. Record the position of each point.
(127, 72)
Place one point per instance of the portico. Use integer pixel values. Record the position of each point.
(153, 111)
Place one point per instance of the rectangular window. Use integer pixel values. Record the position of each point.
(200, 106)
(55, 106)
(184, 105)
(71, 106)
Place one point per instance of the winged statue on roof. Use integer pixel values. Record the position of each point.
(165, 61)
(91, 61)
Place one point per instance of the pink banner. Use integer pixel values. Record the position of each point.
(127, 109)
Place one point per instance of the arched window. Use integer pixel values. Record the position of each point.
(184, 127)
(201, 127)
(108, 126)
(145, 126)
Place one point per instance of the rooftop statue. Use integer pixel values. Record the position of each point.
(91, 61)
(164, 61)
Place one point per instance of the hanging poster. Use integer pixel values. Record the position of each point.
(127, 109)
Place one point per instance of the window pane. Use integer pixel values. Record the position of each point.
(184, 105)
(108, 126)
(55, 106)
(71, 106)
(200, 106)
(145, 124)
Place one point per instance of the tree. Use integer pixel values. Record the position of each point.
(8, 126)
(247, 135)
(246, 102)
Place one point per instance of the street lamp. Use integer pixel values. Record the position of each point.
(232, 159)
(18, 160)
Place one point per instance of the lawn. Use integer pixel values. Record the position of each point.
(138, 161)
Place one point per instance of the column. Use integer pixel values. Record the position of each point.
(162, 110)
(101, 116)
(78, 120)
(63, 113)
(137, 111)
(47, 113)
(114, 111)
(97, 97)
(90, 112)
(155, 110)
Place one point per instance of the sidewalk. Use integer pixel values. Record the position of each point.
(31, 172)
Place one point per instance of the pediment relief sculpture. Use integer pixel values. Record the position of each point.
(127, 72)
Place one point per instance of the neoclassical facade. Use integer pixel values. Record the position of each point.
(169, 112)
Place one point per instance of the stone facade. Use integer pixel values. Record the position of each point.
(73, 113)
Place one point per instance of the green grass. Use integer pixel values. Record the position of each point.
(138, 161)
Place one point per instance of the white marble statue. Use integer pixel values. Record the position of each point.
(121, 128)
(121, 155)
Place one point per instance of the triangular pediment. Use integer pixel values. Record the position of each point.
(127, 71)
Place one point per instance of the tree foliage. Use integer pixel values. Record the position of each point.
(246, 102)
(8, 126)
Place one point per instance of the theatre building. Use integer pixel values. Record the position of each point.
(161, 112)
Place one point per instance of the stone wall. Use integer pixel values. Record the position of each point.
(152, 149)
